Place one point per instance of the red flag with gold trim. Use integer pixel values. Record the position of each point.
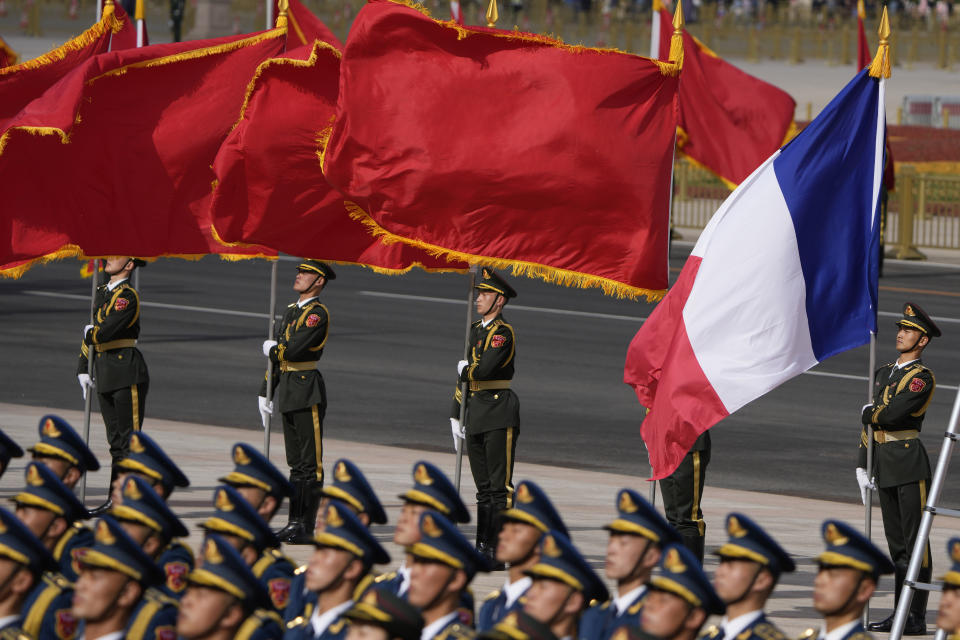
(864, 58)
(8, 57)
(508, 149)
(306, 27)
(730, 121)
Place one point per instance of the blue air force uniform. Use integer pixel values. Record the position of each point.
(380, 608)
(682, 577)
(18, 544)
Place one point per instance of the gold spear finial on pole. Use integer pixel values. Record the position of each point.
(861, 10)
(880, 67)
(283, 6)
(676, 40)
(492, 14)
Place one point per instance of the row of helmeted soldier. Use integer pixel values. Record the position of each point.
(128, 576)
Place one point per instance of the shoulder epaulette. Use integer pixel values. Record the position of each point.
(337, 626)
(767, 631)
(746, 633)
(809, 633)
(637, 606)
(362, 587)
(299, 621)
(299, 569)
(493, 594)
(383, 577)
(712, 631)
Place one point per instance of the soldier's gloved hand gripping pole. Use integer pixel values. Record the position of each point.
(465, 386)
(267, 412)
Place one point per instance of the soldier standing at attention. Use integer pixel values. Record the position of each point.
(493, 409)
(120, 373)
(682, 492)
(300, 394)
(902, 391)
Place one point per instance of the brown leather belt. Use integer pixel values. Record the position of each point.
(484, 385)
(881, 436)
(114, 344)
(307, 365)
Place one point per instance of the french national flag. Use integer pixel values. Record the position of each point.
(783, 277)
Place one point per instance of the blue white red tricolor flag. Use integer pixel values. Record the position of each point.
(783, 277)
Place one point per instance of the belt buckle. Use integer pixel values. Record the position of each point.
(474, 386)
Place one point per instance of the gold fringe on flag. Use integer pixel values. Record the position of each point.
(880, 67)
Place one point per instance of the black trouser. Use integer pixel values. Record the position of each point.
(682, 491)
(303, 440)
(122, 411)
(491, 463)
(902, 509)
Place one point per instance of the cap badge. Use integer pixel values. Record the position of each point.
(550, 547)
(955, 552)
(430, 527)
(673, 563)
(626, 503)
(211, 554)
(833, 536)
(333, 518)
(734, 528)
(523, 494)
(130, 490)
(371, 598)
(341, 474)
(135, 445)
(240, 456)
(50, 429)
(908, 311)
(103, 534)
(422, 476)
(223, 501)
(34, 479)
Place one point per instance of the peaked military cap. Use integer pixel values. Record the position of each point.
(916, 318)
(382, 608)
(252, 469)
(224, 569)
(847, 547)
(432, 489)
(148, 458)
(113, 549)
(8, 449)
(638, 517)
(441, 541)
(560, 561)
(59, 440)
(532, 506)
(951, 579)
(351, 486)
(236, 517)
(44, 490)
(320, 268)
(681, 575)
(747, 541)
(492, 281)
(518, 625)
(20, 545)
(344, 531)
(142, 505)
(139, 262)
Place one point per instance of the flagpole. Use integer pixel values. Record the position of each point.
(655, 30)
(269, 6)
(464, 386)
(138, 16)
(88, 393)
(266, 417)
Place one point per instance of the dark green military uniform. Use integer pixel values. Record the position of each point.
(682, 491)
(901, 395)
(120, 372)
(492, 420)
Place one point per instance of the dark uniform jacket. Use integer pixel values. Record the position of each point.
(601, 620)
(393, 581)
(300, 629)
(46, 612)
(856, 633)
(261, 625)
(494, 608)
(900, 401)
(759, 629)
(275, 572)
(117, 318)
(300, 596)
(492, 359)
(77, 536)
(176, 561)
(455, 630)
(300, 339)
(155, 618)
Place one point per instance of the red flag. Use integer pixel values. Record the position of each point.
(141, 128)
(8, 57)
(863, 48)
(268, 190)
(730, 121)
(506, 148)
(305, 27)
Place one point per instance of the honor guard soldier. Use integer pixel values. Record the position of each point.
(300, 395)
(751, 563)
(23, 560)
(224, 599)
(444, 564)
(518, 545)
(237, 523)
(148, 461)
(114, 574)
(948, 615)
(850, 569)
(63, 451)
(493, 409)
(150, 523)
(517, 625)
(345, 553)
(637, 536)
(381, 615)
(8, 449)
(48, 509)
(902, 391)
(349, 490)
(681, 598)
(682, 492)
(563, 586)
(120, 373)
(257, 480)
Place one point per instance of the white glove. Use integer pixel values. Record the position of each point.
(267, 345)
(458, 433)
(865, 484)
(460, 366)
(85, 330)
(266, 408)
(85, 383)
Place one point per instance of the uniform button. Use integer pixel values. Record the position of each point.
(906, 446)
(120, 357)
(496, 396)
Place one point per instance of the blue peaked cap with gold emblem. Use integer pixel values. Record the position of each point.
(43, 490)
(252, 469)
(142, 505)
(351, 486)
(59, 440)
(147, 458)
(344, 531)
(560, 561)
(638, 517)
(8, 449)
(432, 489)
(951, 579)
(20, 545)
(847, 547)
(532, 506)
(748, 541)
(235, 516)
(681, 575)
(113, 549)
(225, 569)
(441, 541)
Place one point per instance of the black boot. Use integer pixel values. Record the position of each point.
(104, 508)
(295, 520)
(311, 502)
(917, 619)
(884, 626)
(694, 543)
(494, 523)
(483, 525)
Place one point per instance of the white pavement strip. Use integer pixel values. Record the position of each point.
(513, 307)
